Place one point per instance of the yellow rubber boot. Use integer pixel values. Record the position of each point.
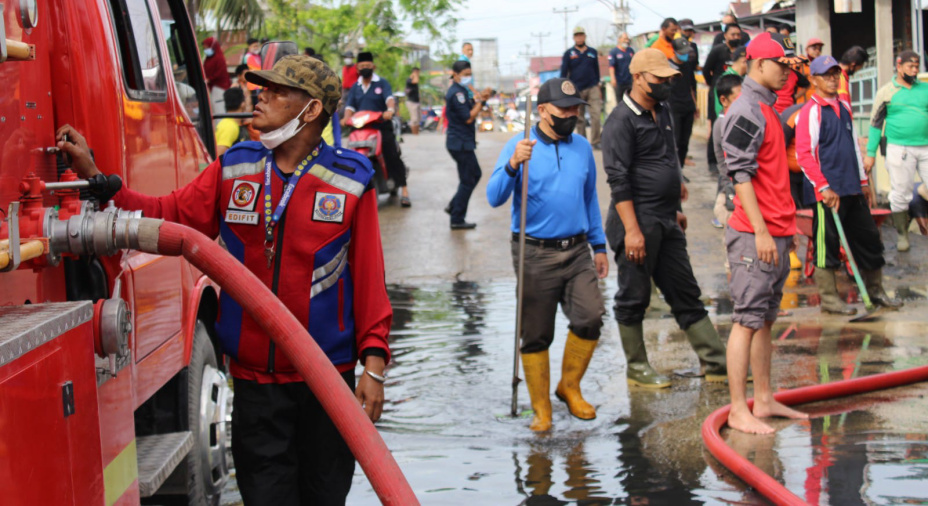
(538, 380)
(577, 355)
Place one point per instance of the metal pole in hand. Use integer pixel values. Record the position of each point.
(521, 269)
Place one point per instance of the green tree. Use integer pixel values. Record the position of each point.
(332, 27)
(231, 14)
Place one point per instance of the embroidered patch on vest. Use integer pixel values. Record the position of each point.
(241, 217)
(244, 195)
(329, 207)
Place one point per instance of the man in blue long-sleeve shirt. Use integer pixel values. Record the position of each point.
(563, 223)
(580, 64)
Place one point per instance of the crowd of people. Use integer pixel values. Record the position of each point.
(774, 114)
(781, 139)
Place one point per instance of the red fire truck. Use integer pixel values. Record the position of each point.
(110, 387)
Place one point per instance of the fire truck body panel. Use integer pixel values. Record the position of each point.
(55, 449)
(127, 75)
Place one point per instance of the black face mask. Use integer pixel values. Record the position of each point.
(734, 43)
(910, 80)
(563, 127)
(660, 91)
(366, 73)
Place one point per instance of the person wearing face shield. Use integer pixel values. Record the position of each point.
(645, 226)
(899, 128)
(289, 207)
(562, 225)
(372, 93)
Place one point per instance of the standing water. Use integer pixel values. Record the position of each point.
(447, 420)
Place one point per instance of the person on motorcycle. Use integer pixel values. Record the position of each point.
(372, 93)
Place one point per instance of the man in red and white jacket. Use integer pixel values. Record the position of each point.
(301, 216)
(829, 156)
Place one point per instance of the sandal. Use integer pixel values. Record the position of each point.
(405, 202)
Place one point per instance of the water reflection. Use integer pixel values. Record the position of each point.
(447, 423)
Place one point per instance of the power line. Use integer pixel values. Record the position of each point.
(541, 37)
(648, 8)
(565, 11)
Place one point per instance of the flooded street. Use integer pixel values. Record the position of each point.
(449, 386)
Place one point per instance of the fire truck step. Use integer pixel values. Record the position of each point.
(158, 456)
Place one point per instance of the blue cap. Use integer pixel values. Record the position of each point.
(823, 64)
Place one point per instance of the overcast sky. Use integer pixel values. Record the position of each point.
(513, 21)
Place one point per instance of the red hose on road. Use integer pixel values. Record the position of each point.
(766, 485)
(165, 238)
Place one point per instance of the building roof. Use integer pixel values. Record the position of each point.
(541, 64)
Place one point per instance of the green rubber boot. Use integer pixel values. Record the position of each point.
(705, 340)
(828, 290)
(639, 372)
(901, 222)
(873, 280)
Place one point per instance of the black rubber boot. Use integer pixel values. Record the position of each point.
(873, 280)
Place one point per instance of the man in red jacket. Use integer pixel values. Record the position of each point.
(302, 217)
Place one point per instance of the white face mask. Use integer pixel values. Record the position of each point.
(281, 135)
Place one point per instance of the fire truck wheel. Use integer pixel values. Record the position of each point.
(207, 396)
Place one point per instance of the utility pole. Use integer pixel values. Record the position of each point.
(621, 15)
(527, 54)
(565, 11)
(541, 37)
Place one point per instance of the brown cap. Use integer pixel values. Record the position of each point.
(304, 73)
(653, 62)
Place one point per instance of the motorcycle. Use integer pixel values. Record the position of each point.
(431, 119)
(366, 139)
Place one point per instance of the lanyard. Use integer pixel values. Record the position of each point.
(271, 218)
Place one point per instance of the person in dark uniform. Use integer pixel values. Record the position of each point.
(619, 58)
(645, 225)
(372, 93)
(683, 96)
(562, 225)
(717, 62)
(461, 111)
(688, 31)
(581, 65)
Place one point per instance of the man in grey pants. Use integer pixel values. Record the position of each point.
(563, 223)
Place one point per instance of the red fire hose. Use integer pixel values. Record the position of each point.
(751, 474)
(165, 238)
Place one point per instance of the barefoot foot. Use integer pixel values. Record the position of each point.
(746, 422)
(774, 408)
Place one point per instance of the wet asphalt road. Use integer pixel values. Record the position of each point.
(449, 386)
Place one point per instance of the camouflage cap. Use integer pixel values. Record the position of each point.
(304, 73)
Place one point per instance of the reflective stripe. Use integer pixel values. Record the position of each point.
(242, 169)
(120, 473)
(330, 281)
(339, 181)
(820, 237)
(326, 269)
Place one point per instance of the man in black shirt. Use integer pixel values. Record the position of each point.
(412, 100)
(717, 61)
(728, 19)
(645, 225)
(683, 96)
